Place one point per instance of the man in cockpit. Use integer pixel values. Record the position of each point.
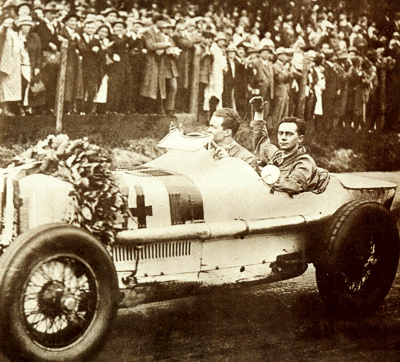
(298, 171)
(224, 124)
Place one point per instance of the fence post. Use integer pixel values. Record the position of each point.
(194, 91)
(61, 87)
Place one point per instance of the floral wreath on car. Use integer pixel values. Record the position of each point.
(97, 203)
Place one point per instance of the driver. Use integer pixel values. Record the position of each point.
(224, 124)
(298, 169)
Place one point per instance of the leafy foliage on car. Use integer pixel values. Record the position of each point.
(98, 205)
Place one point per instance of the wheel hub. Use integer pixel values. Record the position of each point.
(49, 298)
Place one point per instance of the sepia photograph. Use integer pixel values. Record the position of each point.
(199, 181)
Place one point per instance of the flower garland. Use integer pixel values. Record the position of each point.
(97, 201)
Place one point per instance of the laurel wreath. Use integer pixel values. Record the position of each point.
(98, 204)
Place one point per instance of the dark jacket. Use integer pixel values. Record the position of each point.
(298, 169)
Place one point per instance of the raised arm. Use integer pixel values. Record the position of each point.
(262, 145)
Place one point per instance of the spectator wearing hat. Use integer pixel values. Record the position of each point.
(205, 69)
(92, 54)
(31, 57)
(282, 78)
(330, 93)
(329, 36)
(358, 40)
(153, 85)
(99, 21)
(47, 30)
(110, 16)
(355, 99)
(340, 65)
(73, 93)
(10, 8)
(266, 41)
(10, 64)
(171, 69)
(103, 34)
(214, 89)
(120, 76)
(37, 13)
(393, 84)
(228, 94)
(24, 8)
(137, 58)
(264, 77)
(185, 38)
(242, 80)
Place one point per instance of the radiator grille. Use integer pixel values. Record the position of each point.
(152, 251)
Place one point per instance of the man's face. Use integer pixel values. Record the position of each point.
(118, 29)
(136, 27)
(161, 24)
(221, 43)
(111, 18)
(72, 23)
(241, 52)
(49, 15)
(216, 129)
(288, 138)
(206, 41)
(264, 55)
(89, 29)
(283, 58)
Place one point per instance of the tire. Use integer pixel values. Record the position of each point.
(58, 295)
(360, 259)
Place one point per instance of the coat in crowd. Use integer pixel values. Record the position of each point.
(120, 76)
(264, 81)
(216, 84)
(154, 73)
(73, 76)
(10, 66)
(280, 103)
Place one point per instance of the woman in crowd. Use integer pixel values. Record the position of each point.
(10, 65)
(31, 60)
(103, 33)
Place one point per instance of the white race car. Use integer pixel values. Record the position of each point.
(196, 224)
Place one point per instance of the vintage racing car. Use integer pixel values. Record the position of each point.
(197, 224)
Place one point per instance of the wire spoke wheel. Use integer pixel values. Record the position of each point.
(58, 295)
(360, 260)
(59, 301)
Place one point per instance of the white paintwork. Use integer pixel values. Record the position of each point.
(45, 199)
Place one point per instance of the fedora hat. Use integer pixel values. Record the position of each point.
(267, 48)
(69, 16)
(50, 7)
(24, 20)
(280, 50)
(231, 48)
(108, 11)
(221, 36)
(24, 3)
(342, 54)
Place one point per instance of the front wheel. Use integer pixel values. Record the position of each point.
(58, 294)
(359, 261)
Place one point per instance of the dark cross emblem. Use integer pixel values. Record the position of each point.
(141, 211)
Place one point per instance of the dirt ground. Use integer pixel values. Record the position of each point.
(285, 321)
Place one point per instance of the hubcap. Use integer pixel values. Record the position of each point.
(59, 301)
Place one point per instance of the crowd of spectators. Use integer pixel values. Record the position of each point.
(331, 68)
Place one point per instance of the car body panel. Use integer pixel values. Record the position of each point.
(198, 223)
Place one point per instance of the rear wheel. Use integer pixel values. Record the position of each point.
(58, 294)
(359, 261)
